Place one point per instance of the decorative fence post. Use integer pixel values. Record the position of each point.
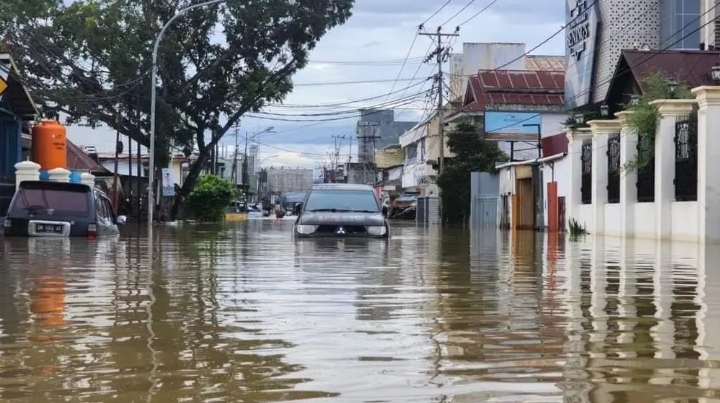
(575, 149)
(87, 179)
(670, 111)
(26, 171)
(59, 175)
(601, 131)
(708, 146)
(628, 177)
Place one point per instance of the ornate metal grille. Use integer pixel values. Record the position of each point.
(613, 168)
(686, 159)
(586, 182)
(646, 170)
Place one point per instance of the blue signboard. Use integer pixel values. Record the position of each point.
(511, 122)
(581, 34)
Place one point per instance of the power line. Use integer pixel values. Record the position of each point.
(482, 10)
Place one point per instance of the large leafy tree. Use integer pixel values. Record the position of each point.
(472, 154)
(91, 60)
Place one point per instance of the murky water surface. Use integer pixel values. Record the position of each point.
(244, 314)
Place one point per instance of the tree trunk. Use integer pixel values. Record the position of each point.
(188, 183)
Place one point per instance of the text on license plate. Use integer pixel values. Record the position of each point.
(49, 228)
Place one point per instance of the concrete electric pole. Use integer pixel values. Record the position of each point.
(440, 55)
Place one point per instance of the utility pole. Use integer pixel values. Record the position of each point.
(233, 174)
(441, 53)
(368, 146)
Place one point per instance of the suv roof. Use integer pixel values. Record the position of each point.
(340, 186)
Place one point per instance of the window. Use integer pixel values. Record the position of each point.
(342, 200)
(72, 202)
(680, 24)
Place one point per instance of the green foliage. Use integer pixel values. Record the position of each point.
(90, 59)
(472, 154)
(572, 124)
(210, 198)
(576, 229)
(645, 117)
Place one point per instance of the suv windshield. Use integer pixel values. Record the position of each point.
(342, 200)
(37, 200)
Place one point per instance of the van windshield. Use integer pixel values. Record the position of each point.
(62, 202)
(363, 201)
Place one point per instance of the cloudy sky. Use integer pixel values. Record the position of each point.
(362, 59)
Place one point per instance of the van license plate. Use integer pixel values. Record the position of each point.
(48, 229)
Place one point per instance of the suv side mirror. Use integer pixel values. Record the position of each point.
(120, 220)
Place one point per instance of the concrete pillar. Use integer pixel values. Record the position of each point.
(708, 146)
(670, 110)
(26, 171)
(601, 129)
(574, 196)
(59, 175)
(628, 177)
(87, 179)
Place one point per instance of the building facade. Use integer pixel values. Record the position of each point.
(282, 180)
(377, 129)
(599, 30)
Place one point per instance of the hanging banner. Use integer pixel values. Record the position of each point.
(168, 186)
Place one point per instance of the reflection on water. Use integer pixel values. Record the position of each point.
(244, 313)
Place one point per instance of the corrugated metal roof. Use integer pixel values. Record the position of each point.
(78, 160)
(545, 63)
(515, 87)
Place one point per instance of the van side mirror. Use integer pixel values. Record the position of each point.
(121, 220)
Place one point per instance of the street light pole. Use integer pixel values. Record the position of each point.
(246, 186)
(153, 101)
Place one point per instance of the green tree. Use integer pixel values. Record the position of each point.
(210, 197)
(91, 60)
(472, 154)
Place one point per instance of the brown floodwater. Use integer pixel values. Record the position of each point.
(245, 314)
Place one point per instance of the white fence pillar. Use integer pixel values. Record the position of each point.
(708, 147)
(87, 179)
(59, 175)
(601, 130)
(26, 171)
(628, 177)
(670, 110)
(574, 195)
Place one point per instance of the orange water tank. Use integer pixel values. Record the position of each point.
(49, 145)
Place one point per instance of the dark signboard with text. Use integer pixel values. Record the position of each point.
(581, 35)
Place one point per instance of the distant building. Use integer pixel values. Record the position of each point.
(377, 129)
(281, 180)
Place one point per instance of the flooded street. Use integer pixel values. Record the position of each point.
(244, 314)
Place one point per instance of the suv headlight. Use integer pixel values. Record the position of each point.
(305, 229)
(376, 230)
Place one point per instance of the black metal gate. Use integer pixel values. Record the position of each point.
(686, 159)
(645, 160)
(586, 182)
(613, 168)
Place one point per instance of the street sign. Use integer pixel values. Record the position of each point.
(3, 86)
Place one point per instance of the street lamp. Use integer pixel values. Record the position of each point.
(715, 73)
(245, 156)
(672, 87)
(153, 101)
(604, 110)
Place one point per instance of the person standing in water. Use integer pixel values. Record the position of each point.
(279, 213)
